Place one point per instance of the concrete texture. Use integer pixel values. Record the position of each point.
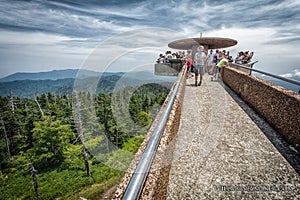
(167, 69)
(220, 152)
(279, 106)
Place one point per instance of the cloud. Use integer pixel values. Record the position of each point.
(294, 73)
(213, 15)
(67, 31)
(91, 19)
(31, 43)
(65, 19)
(25, 51)
(130, 49)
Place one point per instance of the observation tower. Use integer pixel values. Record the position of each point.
(207, 42)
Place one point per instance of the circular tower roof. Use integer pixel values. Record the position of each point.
(207, 42)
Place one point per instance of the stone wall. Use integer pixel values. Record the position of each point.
(279, 106)
(156, 183)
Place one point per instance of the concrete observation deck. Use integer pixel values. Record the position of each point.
(220, 153)
(215, 146)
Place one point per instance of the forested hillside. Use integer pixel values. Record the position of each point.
(29, 88)
(104, 84)
(47, 146)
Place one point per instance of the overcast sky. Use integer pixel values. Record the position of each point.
(40, 35)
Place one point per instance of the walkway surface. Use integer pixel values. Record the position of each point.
(220, 152)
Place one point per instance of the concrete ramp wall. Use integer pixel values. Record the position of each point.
(168, 69)
(279, 106)
(156, 183)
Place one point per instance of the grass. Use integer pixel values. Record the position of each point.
(95, 191)
(64, 184)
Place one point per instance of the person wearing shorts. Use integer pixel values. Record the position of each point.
(199, 61)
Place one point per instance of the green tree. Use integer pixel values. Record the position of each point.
(144, 119)
(51, 138)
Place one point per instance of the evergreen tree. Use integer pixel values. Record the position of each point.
(51, 138)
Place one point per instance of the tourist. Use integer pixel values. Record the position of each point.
(199, 60)
(250, 56)
(214, 62)
(223, 62)
(210, 61)
(223, 54)
(243, 57)
(161, 59)
(227, 55)
(168, 56)
(189, 65)
(239, 58)
(206, 62)
(218, 56)
(246, 57)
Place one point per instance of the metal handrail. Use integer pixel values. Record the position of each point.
(135, 186)
(268, 74)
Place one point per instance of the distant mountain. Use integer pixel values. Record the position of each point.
(297, 78)
(282, 83)
(286, 85)
(28, 88)
(50, 75)
(75, 73)
(27, 84)
(78, 73)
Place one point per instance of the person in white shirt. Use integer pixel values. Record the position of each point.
(199, 61)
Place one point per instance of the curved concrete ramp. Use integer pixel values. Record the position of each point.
(221, 154)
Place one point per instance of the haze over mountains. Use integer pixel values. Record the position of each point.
(62, 81)
(282, 83)
(52, 75)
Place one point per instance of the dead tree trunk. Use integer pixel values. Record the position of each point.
(86, 160)
(68, 100)
(35, 99)
(11, 102)
(5, 138)
(34, 178)
(80, 130)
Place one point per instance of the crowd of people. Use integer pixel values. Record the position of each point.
(205, 62)
(243, 57)
(165, 58)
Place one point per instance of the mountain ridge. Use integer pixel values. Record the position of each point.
(48, 75)
(282, 83)
(20, 85)
(74, 73)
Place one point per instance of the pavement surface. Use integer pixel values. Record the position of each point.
(221, 153)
